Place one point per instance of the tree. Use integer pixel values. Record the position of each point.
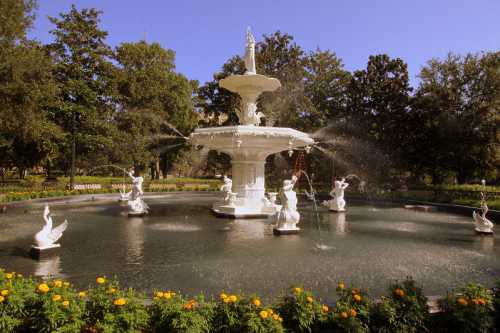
(458, 107)
(83, 71)
(27, 91)
(152, 98)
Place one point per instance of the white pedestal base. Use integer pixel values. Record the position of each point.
(280, 231)
(242, 210)
(484, 231)
(137, 214)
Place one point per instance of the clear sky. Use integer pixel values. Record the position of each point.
(205, 33)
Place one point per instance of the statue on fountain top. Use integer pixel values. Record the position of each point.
(250, 54)
(136, 201)
(288, 218)
(47, 237)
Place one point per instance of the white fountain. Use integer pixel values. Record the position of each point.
(483, 226)
(45, 240)
(249, 144)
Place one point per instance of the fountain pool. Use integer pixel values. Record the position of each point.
(181, 246)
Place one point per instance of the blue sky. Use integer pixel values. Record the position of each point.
(205, 33)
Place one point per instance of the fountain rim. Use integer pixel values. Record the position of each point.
(258, 82)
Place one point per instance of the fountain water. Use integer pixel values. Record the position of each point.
(249, 144)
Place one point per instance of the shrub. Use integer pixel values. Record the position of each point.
(170, 312)
(55, 308)
(300, 311)
(111, 309)
(469, 309)
(403, 310)
(234, 313)
(15, 293)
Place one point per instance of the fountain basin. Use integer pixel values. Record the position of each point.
(249, 146)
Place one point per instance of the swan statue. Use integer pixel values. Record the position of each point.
(482, 224)
(48, 236)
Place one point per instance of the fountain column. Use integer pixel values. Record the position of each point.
(248, 178)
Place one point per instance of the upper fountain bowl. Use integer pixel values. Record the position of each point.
(249, 84)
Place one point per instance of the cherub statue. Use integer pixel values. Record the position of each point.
(136, 201)
(337, 203)
(47, 237)
(227, 187)
(288, 217)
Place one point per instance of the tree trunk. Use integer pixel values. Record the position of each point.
(73, 153)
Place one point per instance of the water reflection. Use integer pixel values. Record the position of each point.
(50, 267)
(134, 240)
(339, 222)
(245, 230)
(487, 243)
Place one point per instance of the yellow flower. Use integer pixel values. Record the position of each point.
(5, 292)
(58, 283)
(256, 302)
(341, 285)
(309, 299)
(56, 298)
(100, 280)
(222, 296)
(297, 290)
(2, 299)
(82, 294)
(399, 292)
(263, 314)
(325, 308)
(462, 301)
(120, 301)
(280, 319)
(168, 295)
(112, 290)
(357, 298)
(19, 275)
(270, 311)
(43, 288)
(159, 294)
(66, 284)
(276, 317)
(9, 276)
(232, 298)
(65, 303)
(344, 315)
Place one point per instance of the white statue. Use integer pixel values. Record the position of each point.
(136, 201)
(47, 237)
(482, 224)
(250, 54)
(226, 188)
(337, 204)
(288, 217)
(124, 196)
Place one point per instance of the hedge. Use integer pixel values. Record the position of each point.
(29, 305)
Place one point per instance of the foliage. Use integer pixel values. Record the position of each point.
(171, 312)
(404, 309)
(469, 309)
(16, 293)
(300, 310)
(111, 309)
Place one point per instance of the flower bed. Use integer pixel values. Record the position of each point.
(27, 305)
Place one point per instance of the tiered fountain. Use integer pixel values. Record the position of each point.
(249, 144)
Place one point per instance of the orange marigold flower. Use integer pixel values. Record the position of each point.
(276, 317)
(309, 299)
(263, 314)
(344, 315)
(462, 301)
(120, 301)
(297, 290)
(65, 303)
(58, 283)
(481, 301)
(222, 296)
(399, 292)
(232, 298)
(56, 298)
(100, 280)
(256, 302)
(159, 294)
(43, 288)
(357, 298)
(325, 308)
(353, 313)
(355, 291)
